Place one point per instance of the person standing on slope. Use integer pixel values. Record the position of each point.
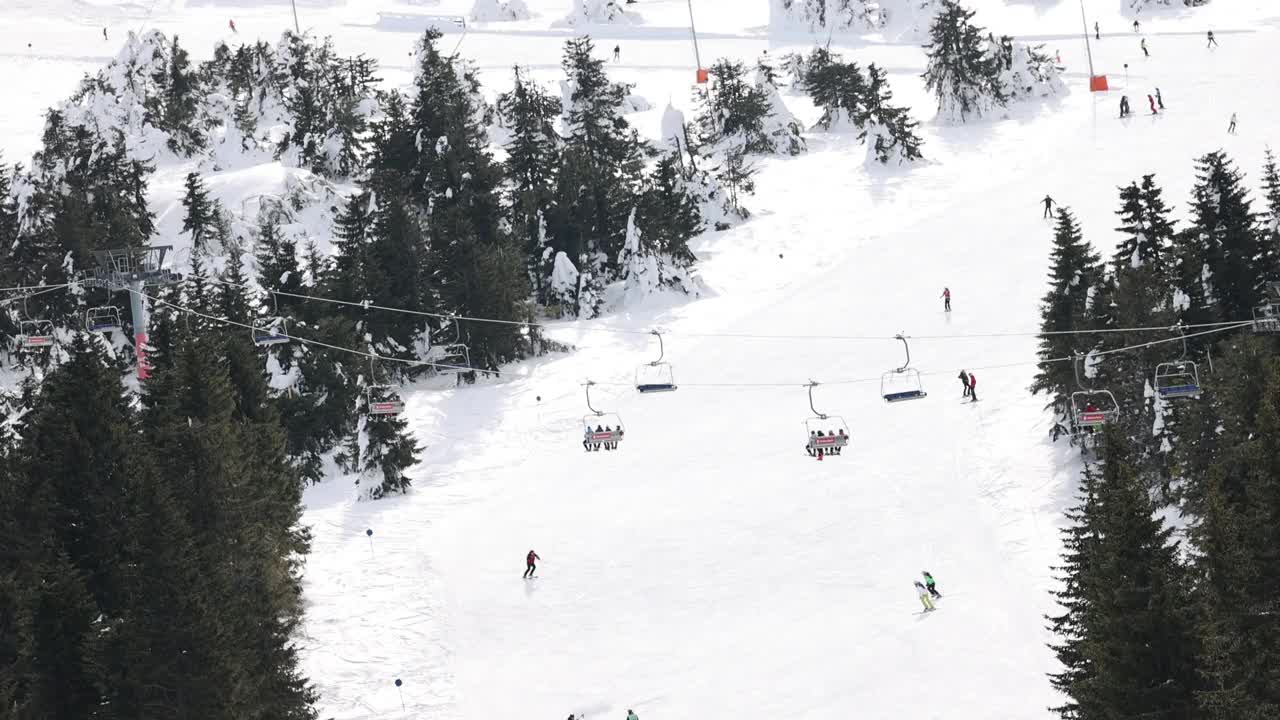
(1097, 33)
(1124, 106)
(1135, 26)
(973, 388)
(924, 597)
(946, 299)
(1159, 99)
(1152, 102)
(631, 715)
(232, 25)
(1144, 48)
(1048, 206)
(1232, 127)
(1213, 42)
(931, 585)
(531, 564)
(617, 53)
(964, 380)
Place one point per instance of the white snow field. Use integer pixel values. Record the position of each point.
(709, 568)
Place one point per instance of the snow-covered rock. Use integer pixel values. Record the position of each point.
(598, 12)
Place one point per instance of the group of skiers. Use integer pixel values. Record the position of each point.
(812, 448)
(970, 383)
(1156, 102)
(928, 591)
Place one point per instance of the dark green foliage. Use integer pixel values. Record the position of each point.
(176, 108)
(1075, 274)
(837, 87)
(667, 214)
(961, 73)
(1127, 639)
(733, 108)
(201, 213)
(897, 130)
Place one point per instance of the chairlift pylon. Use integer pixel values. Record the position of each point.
(656, 376)
(902, 383)
(1179, 378)
(821, 439)
(608, 430)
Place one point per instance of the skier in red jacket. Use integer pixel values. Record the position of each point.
(973, 388)
(530, 562)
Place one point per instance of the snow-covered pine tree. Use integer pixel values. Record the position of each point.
(889, 131)
(740, 112)
(837, 87)
(656, 255)
(598, 12)
(177, 110)
(499, 10)
(1271, 222)
(200, 211)
(1221, 255)
(961, 72)
(1074, 277)
(528, 113)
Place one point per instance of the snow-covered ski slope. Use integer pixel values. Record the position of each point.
(709, 568)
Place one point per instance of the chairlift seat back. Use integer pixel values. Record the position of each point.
(900, 385)
(828, 441)
(604, 436)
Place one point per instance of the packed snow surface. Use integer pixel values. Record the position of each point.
(709, 568)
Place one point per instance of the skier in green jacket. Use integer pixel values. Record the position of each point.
(930, 584)
(631, 715)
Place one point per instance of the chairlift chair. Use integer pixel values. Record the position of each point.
(270, 331)
(1180, 378)
(35, 334)
(102, 319)
(611, 429)
(656, 376)
(384, 400)
(455, 359)
(824, 433)
(1090, 408)
(902, 383)
(1266, 318)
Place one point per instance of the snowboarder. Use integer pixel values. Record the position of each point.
(531, 564)
(1048, 206)
(1159, 99)
(946, 299)
(964, 380)
(617, 53)
(1232, 127)
(1135, 26)
(1213, 42)
(931, 584)
(1144, 48)
(1152, 102)
(631, 715)
(1124, 106)
(973, 388)
(232, 25)
(924, 597)
(104, 34)
(1097, 33)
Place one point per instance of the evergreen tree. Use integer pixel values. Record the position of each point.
(1128, 635)
(889, 131)
(1271, 225)
(1221, 260)
(180, 102)
(201, 212)
(277, 259)
(733, 109)
(960, 72)
(529, 113)
(386, 450)
(232, 294)
(1073, 279)
(837, 87)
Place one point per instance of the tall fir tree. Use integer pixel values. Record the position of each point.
(960, 72)
(1074, 277)
(200, 211)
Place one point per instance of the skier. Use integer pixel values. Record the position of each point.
(931, 584)
(531, 564)
(1124, 106)
(232, 25)
(946, 299)
(617, 53)
(1135, 26)
(973, 388)
(1097, 33)
(1159, 99)
(924, 597)
(1144, 48)
(1232, 127)
(1212, 41)
(964, 380)
(631, 715)
(1048, 206)
(104, 33)
(1152, 102)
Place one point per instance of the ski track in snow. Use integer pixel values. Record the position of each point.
(709, 568)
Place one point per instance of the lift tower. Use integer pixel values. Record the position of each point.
(135, 269)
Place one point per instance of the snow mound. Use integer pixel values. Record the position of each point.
(500, 11)
(598, 12)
